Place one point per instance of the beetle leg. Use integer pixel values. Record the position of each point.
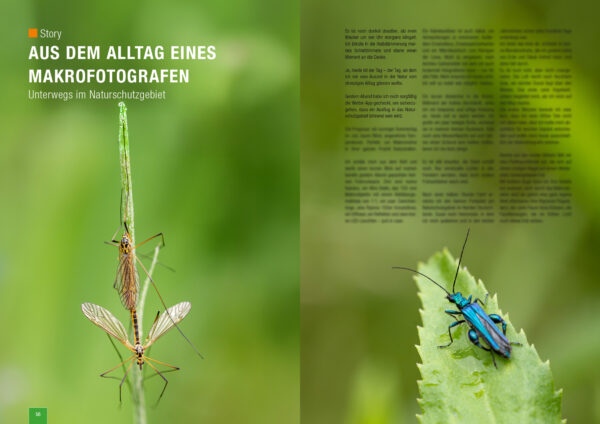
(453, 313)
(475, 340)
(493, 359)
(498, 319)
(454, 324)
(484, 302)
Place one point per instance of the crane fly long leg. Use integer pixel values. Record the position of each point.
(124, 377)
(162, 363)
(114, 368)
(153, 237)
(146, 378)
(163, 377)
(120, 358)
(155, 319)
(167, 309)
(116, 232)
(149, 257)
(132, 359)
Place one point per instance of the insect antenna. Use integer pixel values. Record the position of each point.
(460, 259)
(423, 275)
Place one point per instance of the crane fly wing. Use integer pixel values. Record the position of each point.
(106, 321)
(128, 281)
(167, 320)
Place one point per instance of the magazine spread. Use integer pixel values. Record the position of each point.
(300, 212)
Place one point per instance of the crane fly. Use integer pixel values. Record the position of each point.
(112, 326)
(127, 280)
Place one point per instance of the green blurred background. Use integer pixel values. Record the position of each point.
(358, 316)
(214, 167)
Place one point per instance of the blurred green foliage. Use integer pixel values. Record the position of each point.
(214, 167)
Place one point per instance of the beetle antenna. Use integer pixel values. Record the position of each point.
(423, 275)
(460, 259)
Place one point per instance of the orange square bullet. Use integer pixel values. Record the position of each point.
(32, 32)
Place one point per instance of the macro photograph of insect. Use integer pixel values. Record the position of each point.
(476, 325)
(481, 324)
(461, 366)
(127, 285)
(112, 326)
(194, 213)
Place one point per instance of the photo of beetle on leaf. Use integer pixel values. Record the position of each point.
(482, 325)
(520, 390)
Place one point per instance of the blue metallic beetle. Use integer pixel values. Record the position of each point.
(482, 325)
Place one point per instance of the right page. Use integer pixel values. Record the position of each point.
(421, 121)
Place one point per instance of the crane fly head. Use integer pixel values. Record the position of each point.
(125, 245)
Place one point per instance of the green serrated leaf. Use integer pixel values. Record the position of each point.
(460, 383)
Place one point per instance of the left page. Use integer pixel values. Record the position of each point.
(211, 93)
